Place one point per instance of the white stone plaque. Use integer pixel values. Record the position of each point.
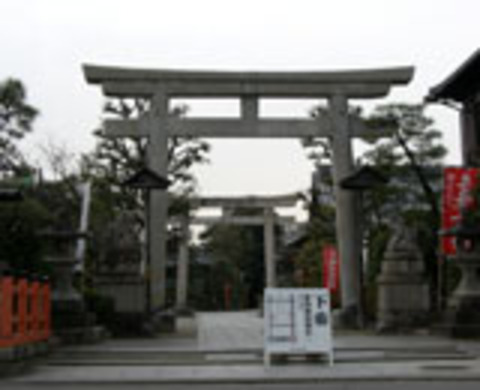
(297, 321)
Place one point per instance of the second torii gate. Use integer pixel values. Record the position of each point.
(268, 220)
(339, 126)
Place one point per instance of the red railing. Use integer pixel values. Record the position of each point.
(25, 311)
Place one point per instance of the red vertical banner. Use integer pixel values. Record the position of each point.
(331, 268)
(458, 184)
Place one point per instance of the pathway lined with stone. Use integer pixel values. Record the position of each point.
(228, 351)
(225, 331)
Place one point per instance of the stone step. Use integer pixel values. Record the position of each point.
(99, 351)
(214, 358)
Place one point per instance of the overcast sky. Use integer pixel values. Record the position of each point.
(45, 42)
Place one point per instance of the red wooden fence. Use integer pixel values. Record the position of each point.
(25, 311)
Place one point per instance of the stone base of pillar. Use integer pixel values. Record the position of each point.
(73, 324)
(163, 321)
(128, 296)
(66, 314)
(130, 316)
(184, 311)
(82, 335)
(462, 319)
(347, 318)
(402, 305)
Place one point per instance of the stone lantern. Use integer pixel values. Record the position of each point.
(61, 256)
(463, 308)
(71, 321)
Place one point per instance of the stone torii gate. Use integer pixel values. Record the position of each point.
(268, 220)
(159, 86)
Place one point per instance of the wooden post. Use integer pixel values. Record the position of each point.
(6, 308)
(34, 311)
(46, 312)
(22, 312)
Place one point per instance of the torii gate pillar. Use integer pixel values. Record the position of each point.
(158, 203)
(346, 224)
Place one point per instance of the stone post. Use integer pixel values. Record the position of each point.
(158, 204)
(182, 265)
(346, 225)
(269, 247)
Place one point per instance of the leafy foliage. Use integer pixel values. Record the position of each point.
(20, 247)
(411, 158)
(415, 144)
(114, 159)
(19, 222)
(16, 118)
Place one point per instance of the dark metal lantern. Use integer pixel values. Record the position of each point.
(466, 233)
(363, 178)
(146, 179)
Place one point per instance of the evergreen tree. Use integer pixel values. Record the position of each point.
(16, 119)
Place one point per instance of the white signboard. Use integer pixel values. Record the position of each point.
(297, 321)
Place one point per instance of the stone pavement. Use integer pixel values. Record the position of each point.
(230, 331)
(228, 350)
